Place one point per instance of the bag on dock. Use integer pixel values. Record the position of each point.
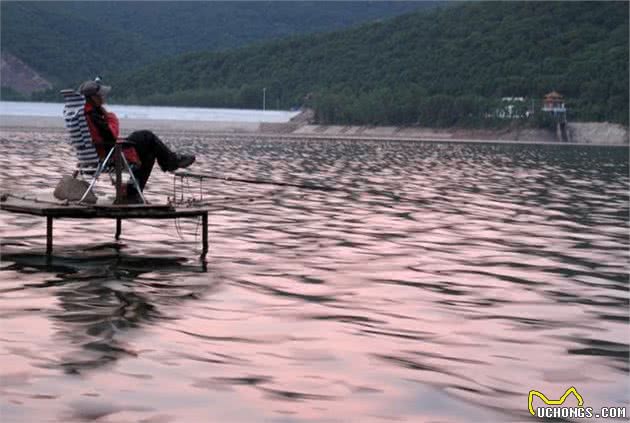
(72, 189)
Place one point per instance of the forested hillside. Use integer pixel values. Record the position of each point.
(446, 66)
(67, 42)
(63, 46)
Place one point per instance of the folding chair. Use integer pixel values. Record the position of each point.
(89, 165)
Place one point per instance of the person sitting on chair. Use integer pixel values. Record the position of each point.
(146, 146)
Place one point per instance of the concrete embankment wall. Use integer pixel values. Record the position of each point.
(534, 135)
(597, 133)
(582, 133)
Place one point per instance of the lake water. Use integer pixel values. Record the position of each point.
(439, 283)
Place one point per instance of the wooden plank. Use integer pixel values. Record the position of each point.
(145, 207)
(53, 210)
(118, 168)
(139, 211)
(49, 235)
(204, 235)
(118, 228)
(35, 207)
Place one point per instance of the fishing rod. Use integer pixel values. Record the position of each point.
(202, 176)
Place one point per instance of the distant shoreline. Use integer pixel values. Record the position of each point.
(334, 132)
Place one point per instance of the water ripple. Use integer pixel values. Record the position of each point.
(438, 282)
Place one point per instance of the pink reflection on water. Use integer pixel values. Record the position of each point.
(436, 286)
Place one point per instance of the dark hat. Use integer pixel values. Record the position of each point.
(89, 88)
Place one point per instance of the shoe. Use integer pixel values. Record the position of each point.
(184, 160)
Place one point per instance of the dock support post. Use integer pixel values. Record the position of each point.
(118, 167)
(49, 235)
(204, 234)
(118, 228)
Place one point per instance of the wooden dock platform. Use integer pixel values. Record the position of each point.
(53, 209)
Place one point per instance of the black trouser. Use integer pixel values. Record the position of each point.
(150, 148)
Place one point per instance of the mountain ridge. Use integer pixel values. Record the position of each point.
(68, 41)
(447, 66)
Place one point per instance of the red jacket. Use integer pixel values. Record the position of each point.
(105, 129)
